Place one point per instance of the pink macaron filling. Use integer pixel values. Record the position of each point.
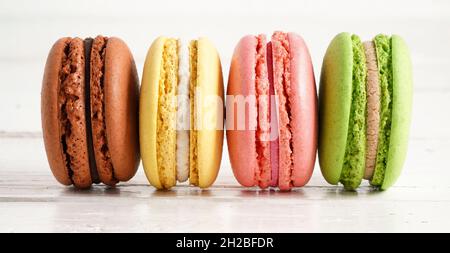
(263, 173)
(282, 86)
(274, 152)
(273, 134)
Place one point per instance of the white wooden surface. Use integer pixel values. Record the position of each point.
(31, 200)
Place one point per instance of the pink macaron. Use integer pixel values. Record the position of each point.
(272, 112)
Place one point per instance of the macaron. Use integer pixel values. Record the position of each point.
(181, 113)
(272, 112)
(365, 99)
(89, 111)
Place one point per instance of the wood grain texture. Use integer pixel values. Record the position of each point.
(32, 200)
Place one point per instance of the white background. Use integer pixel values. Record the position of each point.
(29, 28)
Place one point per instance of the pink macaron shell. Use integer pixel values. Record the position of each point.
(282, 84)
(242, 142)
(262, 85)
(304, 120)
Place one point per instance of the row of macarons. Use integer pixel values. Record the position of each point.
(98, 122)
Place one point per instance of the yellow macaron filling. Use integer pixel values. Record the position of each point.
(166, 119)
(166, 138)
(193, 169)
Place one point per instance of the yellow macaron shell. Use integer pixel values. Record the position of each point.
(193, 169)
(210, 112)
(167, 111)
(208, 133)
(148, 110)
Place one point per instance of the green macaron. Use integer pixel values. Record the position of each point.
(365, 99)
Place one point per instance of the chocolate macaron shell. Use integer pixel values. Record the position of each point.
(50, 113)
(121, 99)
(73, 111)
(103, 166)
(64, 92)
(303, 111)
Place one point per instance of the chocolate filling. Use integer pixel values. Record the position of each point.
(87, 80)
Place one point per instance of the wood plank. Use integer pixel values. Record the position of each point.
(31, 200)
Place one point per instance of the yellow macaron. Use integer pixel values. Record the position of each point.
(181, 113)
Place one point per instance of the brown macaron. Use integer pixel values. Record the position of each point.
(89, 111)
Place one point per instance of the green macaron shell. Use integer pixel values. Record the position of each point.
(342, 110)
(335, 96)
(401, 110)
(384, 61)
(354, 160)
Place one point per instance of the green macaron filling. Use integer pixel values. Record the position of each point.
(354, 160)
(384, 58)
